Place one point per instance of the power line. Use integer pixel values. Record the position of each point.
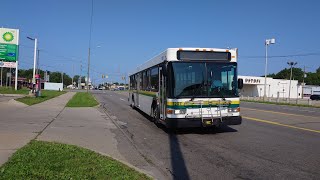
(282, 56)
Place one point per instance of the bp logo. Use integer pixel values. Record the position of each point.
(8, 36)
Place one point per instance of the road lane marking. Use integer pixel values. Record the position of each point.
(122, 99)
(275, 112)
(279, 124)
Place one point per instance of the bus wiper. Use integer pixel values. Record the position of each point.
(222, 96)
(194, 94)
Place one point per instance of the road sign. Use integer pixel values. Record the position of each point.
(8, 64)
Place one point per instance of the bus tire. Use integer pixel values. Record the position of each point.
(132, 102)
(155, 114)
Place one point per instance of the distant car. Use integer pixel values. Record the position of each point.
(315, 97)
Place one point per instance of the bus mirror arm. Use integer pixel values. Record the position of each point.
(240, 83)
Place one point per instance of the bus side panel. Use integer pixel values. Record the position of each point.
(136, 99)
(145, 103)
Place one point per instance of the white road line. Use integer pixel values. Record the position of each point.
(122, 99)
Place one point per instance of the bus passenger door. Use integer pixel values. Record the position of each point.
(136, 95)
(162, 94)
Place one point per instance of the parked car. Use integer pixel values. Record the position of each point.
(315, 97)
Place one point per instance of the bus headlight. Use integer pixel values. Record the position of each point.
(180, 111)
(237, 109)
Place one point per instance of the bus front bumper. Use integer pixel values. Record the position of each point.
(196, 122)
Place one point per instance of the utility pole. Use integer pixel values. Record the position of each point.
(79, 80)
(62, 78)
(72, 74)
(88, 71)
(304, 74)
(90, 32)
(291, 64)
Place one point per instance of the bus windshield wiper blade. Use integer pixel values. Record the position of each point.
(222, 96)
(194, 94)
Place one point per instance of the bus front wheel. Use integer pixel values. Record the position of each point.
(155, 115)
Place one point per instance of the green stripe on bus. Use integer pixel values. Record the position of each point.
(199, 106)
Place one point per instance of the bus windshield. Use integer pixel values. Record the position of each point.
(204, 79)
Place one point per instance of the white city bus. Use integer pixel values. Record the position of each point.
(188, 87)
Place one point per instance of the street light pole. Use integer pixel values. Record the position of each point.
(38, 61)
(267, 43)
(90, 32)
(291, 64)
(34, 58)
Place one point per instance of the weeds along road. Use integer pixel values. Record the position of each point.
(274, 142)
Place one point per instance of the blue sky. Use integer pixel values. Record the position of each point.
(127, 33)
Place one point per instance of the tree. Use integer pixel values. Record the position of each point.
(297, 74)
(55, 77)
(76, 79)
(318, 70)
(313, 78)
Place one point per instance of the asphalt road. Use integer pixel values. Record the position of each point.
(274, 142)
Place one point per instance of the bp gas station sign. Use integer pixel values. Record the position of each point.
(9, 41)
(8, 52)
(9, 48)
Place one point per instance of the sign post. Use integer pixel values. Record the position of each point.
(9, 50)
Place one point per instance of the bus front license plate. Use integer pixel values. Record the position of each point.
(208, 122)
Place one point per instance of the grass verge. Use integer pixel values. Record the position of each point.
(45, 95)
(47, 160)
(9, 90)
(283, 104)
(82, 99)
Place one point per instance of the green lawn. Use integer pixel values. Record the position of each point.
(9, 90)
(46, 160)
(45, 95)
(82, 99)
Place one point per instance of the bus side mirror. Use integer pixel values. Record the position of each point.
(165, 69)
(240, 83)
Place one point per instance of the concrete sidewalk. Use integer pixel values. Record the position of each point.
(52, 121)
(85, 127)
(19, 123)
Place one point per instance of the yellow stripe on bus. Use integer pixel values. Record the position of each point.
(170, 103)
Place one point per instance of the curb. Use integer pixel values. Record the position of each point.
(12, 95)
(124, 162)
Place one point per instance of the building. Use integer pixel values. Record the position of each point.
(275, 88)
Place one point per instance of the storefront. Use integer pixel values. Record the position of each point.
(254, 87)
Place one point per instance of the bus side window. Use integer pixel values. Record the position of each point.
(154, 81)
